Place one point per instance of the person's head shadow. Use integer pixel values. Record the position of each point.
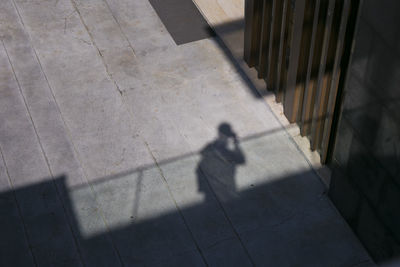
(217, 167)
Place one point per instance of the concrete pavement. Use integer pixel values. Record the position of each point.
(112, 153)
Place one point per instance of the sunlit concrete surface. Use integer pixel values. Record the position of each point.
(119, 147)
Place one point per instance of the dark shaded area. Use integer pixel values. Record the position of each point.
(183, 20)
(286, 222)
(366, 160)
(34, 228)
(218, 162)
(299, 228)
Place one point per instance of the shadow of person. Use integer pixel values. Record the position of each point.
(217, 166)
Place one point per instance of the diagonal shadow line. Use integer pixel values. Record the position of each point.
(186, 155)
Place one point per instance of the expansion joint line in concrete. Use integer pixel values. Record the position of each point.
(227, 218)
(69, 135)
(109, 74)
(74, 5)
(68, 132)
(59, 197)
(120, 28)
(18, 208)
(176, 204)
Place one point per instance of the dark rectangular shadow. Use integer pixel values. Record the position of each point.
(183, 20)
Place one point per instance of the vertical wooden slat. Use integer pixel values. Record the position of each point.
(335, 81)
(322, 100)
(311, 57)
(322, 80)
(267, 14)
(275, 44)
(291, 97)
(270, 63)
(281, 54)
(249, 7)
(312, 75)
(306, 41)
(252, 31)
(285, 50)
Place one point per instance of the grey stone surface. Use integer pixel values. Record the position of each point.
(109, 136)
(51, 129)
(40, 205)
(141, 26)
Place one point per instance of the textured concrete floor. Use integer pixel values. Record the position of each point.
(110, 152)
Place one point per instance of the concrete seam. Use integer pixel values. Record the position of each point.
(228, 219)
(109, 74)
(19, 210)
(120, 92)
(120, 28)
(68, 132)
(46, 159)
(176, 204)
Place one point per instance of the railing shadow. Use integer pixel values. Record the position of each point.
(169, 215)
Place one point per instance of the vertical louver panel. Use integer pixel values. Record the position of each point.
(297, 47)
